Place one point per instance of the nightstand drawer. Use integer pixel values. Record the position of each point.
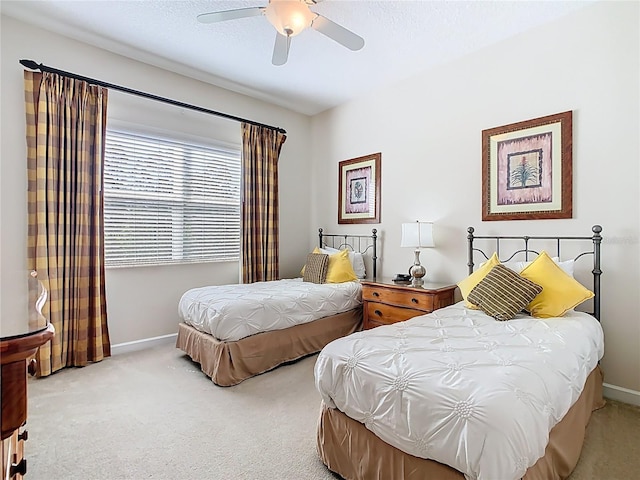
(403, 297)
(381, 313)
(385, 303)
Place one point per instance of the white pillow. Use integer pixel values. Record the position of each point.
(566, 266)
(356, 259)
(358, 264)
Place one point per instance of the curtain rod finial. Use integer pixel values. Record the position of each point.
(30, 64)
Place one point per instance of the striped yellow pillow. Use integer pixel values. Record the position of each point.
(316, 268)
(502, 294)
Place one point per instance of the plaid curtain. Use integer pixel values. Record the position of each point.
(66, 121)
(260, 223)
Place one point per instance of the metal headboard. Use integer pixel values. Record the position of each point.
(357, 243)
(596, 240)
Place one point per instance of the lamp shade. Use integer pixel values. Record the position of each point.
(417, 235)
(289, 17)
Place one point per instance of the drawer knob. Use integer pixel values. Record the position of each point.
(23, 436)
(32, 367)
(19, 468)
(378, 312)
(376, 294)
(414, 300)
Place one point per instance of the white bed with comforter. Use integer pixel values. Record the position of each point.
(430, 386)
(237, 331)
(477, 390)
(233, 312)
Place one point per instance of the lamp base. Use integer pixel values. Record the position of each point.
(417, 271)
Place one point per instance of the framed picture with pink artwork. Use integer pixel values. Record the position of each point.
(527, 169)
(359, 189)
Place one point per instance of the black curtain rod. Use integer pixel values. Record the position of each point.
(43, 68)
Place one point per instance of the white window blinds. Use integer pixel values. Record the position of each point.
(167, 202)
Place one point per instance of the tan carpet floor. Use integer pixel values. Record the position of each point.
(153, 415)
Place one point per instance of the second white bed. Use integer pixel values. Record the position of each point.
(233, 312)
(431, 386)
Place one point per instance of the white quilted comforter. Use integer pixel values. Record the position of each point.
(232, 312)
(461, 388)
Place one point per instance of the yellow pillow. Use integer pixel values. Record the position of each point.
(472, 280)
(340, 269)
(560, 292)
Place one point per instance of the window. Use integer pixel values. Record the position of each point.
(169, 202)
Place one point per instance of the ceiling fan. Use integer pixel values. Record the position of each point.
(290, 17)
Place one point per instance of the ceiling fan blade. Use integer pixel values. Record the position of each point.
(225, 15)
(337, 33)
(281, 49)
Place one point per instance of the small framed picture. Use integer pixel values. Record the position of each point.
(359, 189)
(527, 169)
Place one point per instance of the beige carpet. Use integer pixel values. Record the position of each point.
(153, 414)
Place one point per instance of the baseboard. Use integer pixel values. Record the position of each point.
(621, 394)
(142, 344)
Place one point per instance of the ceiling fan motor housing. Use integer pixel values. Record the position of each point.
(289, 18)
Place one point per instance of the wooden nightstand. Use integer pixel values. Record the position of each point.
(386, 302)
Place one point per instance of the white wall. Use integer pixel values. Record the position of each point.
(428, 129)
(142, 302)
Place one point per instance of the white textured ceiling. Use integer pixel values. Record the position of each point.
(401, 39)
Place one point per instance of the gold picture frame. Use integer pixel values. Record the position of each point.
(359, 189)
(527, 169)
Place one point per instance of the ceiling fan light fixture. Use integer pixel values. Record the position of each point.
(289, 17)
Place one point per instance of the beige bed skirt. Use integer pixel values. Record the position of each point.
(352, 451)
(229, 363)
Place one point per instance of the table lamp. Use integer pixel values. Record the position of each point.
(417, 235)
